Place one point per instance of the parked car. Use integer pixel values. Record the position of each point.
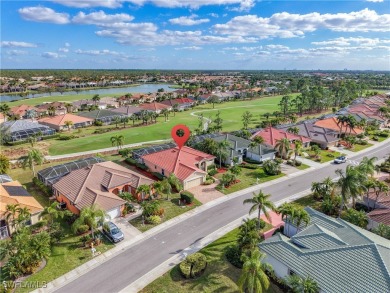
(113, 232)
(340, 160)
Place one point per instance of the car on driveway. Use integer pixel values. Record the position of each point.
(340, 160)
(113, 232)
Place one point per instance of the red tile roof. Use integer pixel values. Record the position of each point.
(380, 216)
(154, 106)
(178, 101)
(331, 123)
(181, 162)
(272, 135)
(60, 119)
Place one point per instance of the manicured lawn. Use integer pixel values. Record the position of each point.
(65, 256)
(326, 155)
(308, 201)
(248, 178)
(359, 147)
(172, 209)
(302, 167)
(219, 276)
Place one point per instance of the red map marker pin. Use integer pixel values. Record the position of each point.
(180, 134)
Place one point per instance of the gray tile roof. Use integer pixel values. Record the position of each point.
(341, 257)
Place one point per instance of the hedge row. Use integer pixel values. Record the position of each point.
(187, 196)
(131, 161)
(19, 142)
(46, 190)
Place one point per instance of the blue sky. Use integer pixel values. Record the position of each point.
(197, 34)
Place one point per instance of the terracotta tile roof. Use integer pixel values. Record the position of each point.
(23, 200)
(21, 110)
(380, 216)
(179, 101)
(272, 135)
(90, 185)
(60, 119)
(181, 162)
(154, 106)
(331, 123)
(383, 198)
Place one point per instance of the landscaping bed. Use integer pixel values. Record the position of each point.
(171, 209)
(219, 276)
(324, 156)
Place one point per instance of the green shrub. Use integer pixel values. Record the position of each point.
(125, 152)
(46, 190)
(82, 229)
(67, 137)
(187, 196)
(38, 225)
(212, 172)
(153, 220)
(375, 138)
(272, 167)
(193, 266)
(212, 166)
(98, 123)
(330, 155)
(233, 255)
(278, 160)
(50, 136)
(158, 175)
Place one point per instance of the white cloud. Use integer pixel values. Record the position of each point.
(188, 20)
(63, 50)
(375, 1)
(359, 41)
(287, 25)
(90, 3)
(101, 18)
(43, 14)
(14, 44)
(51, 55)
(191, 48)
(245, 5)
(67, 45)
(97, 52)
(16, 52)
(215, 15)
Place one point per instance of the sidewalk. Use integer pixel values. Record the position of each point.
(164, 267)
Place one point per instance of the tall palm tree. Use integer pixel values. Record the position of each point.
(367, 166)
(253, 278)
(51, 212)
(96, 98)
(118, 141)
(10, 215)
(297, 149)
(125, 120)
(248, 236)
(24, 215)
(288, 211)
(350, 184)
(175, 182)
(380, 187)
(301, 216)
(68, 124)
(92, 216)
(166, 187)
(51, 110)
(117, 120)
(261, 203)
(222, 148)
(282, 146)
(368, 184)
(33, 157)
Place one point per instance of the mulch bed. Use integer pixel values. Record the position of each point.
(222, 170)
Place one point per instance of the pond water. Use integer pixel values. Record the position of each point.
(143, 88)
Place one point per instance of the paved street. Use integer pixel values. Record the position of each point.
(125, 268)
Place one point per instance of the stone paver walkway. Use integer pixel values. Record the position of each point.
(206, 193)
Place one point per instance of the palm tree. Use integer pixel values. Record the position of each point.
(33, 157)
(350, 184)
(175, 182)
(300, 285)
(117, 120)
(367, 165)
(96, 98)
(293, 130)
(4, 109)
(52, 110)
(301, 216)
(297, 149)
(51, 212)
(91, 216)
(4, 164)
(253, 278)
(166, 187)
(248, 236)
(282, 147)
(11, 211)
(143, 190)
(117, 140)
(125, 120)
(368, 184)
(288, 211)
(23, 216)
(68, 124)
(165, 112)
(261, 203)
(380, 187)
(222, 147)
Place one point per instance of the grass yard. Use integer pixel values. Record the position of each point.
(65, 256)
(248, 178)
(302, 167)
(220, 275)
(325, 155)
(172, 209)
(359, 147)
(308, 200)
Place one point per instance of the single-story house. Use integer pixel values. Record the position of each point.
(13, 193)
(26, 112)
(183, 103)
(331, 123)
(23, 129)
(105, 116)
(377, 216)
(239, 149)
(382, 201)
(155, 107)
(58, 122)
(127, 110)
(338, 255)
(322, 136)
(272, 135)
(110, 101)
(99, 184)
(59, 108)
(187, 164)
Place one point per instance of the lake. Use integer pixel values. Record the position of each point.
(143, 88)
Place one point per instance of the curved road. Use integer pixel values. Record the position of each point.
(125, 268)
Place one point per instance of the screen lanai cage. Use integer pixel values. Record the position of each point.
(105, 116)
(137, 154)
(51, 175)
(21, 130)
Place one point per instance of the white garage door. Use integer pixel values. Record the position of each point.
(193, 183)
(114, 213)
